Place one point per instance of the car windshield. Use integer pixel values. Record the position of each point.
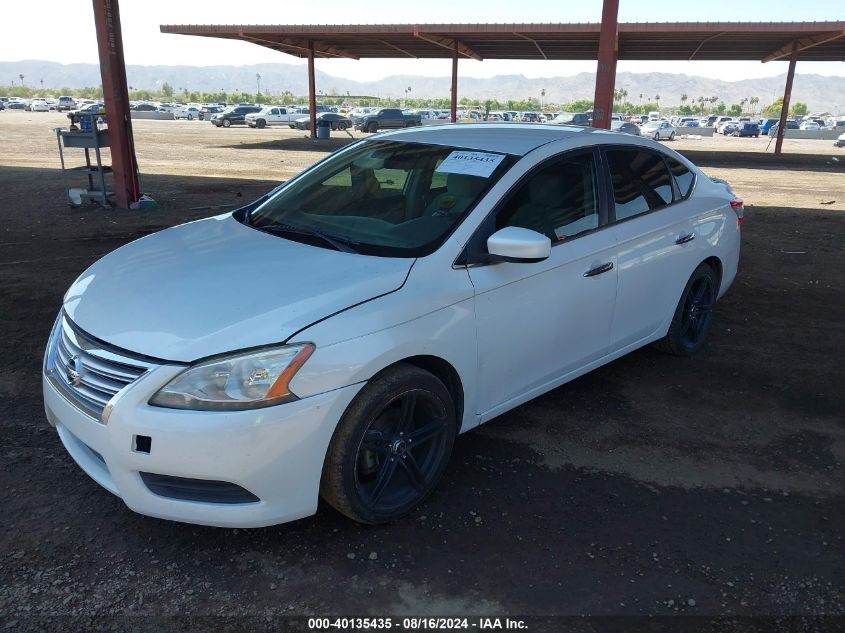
(385, 198)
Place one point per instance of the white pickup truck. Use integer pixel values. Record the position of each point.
(274, 115)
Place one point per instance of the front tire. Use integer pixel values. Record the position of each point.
(190, 117)
(372, 128)
(227, 123)
(693, 316)
(656, 136)
(261, 124)
(672, 136)
(391, 446)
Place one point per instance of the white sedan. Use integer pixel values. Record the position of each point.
(658, 130)
(810, 125)
(190, 113)
(333, 337)
(39, 105)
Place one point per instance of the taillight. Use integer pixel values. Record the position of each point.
(739, 208)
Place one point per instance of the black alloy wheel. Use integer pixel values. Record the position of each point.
(391, 447)
(694, 314)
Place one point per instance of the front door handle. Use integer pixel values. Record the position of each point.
(689, 237)
(598, 270)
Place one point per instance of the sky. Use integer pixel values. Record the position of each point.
(63, 31)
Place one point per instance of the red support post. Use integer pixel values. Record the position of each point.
(116, 93)
(454, 105)
(787, 95)
(312, 90)
(606, 67)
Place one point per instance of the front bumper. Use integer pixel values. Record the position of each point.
(274, 453)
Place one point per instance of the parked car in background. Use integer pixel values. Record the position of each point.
(746, 128)
(66, 103)
(332, 119)
(333, 338)
(727, 127)
(189, 112)
(809, 125)
(274, 115)
(626, 127)
(791, 124)
(529, 117)
(16, 105)
(89, 108)
(840, 141)
(584, 119)
(766, 124)
(207, 110)
(39, 105)
(386, 118)
(233, 115)
(658, 130)
(2, 105)
(692, 123)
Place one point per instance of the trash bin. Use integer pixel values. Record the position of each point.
(324, 129)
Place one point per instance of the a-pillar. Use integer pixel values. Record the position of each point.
(606, 67)
(116, 95)
(787, 95)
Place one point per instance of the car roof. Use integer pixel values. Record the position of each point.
(508, 138)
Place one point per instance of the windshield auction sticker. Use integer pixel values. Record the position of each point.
(470, 163)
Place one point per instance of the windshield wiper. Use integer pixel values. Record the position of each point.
(344, 246)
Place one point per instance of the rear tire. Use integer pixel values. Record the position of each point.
(693, 316)
(391, 446)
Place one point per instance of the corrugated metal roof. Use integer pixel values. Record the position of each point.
(762, 41)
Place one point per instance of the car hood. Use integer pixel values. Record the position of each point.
(215, 286)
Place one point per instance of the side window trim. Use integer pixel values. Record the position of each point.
(475, 250)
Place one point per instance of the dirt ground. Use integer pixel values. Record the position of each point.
(654, 486)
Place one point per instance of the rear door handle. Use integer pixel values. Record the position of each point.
(598, 270)
(689, 237)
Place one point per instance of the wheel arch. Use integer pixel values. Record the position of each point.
(447, 374)
(716, 264)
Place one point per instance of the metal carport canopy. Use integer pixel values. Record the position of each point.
(734, 41)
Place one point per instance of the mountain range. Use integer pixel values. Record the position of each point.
(817, 91)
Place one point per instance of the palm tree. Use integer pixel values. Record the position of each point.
(657, 100)
(684, 98)
(21, 78)
(641, 97)
(754, 101)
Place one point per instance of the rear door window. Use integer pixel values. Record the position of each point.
(641, 182)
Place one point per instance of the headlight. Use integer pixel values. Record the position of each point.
(245, 381)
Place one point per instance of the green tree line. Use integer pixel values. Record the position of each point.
(699, 106)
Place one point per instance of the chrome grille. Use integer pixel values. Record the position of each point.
(86, 372)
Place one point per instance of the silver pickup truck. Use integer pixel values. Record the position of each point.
(274, 115)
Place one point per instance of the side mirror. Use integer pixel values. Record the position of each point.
(518, 245)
